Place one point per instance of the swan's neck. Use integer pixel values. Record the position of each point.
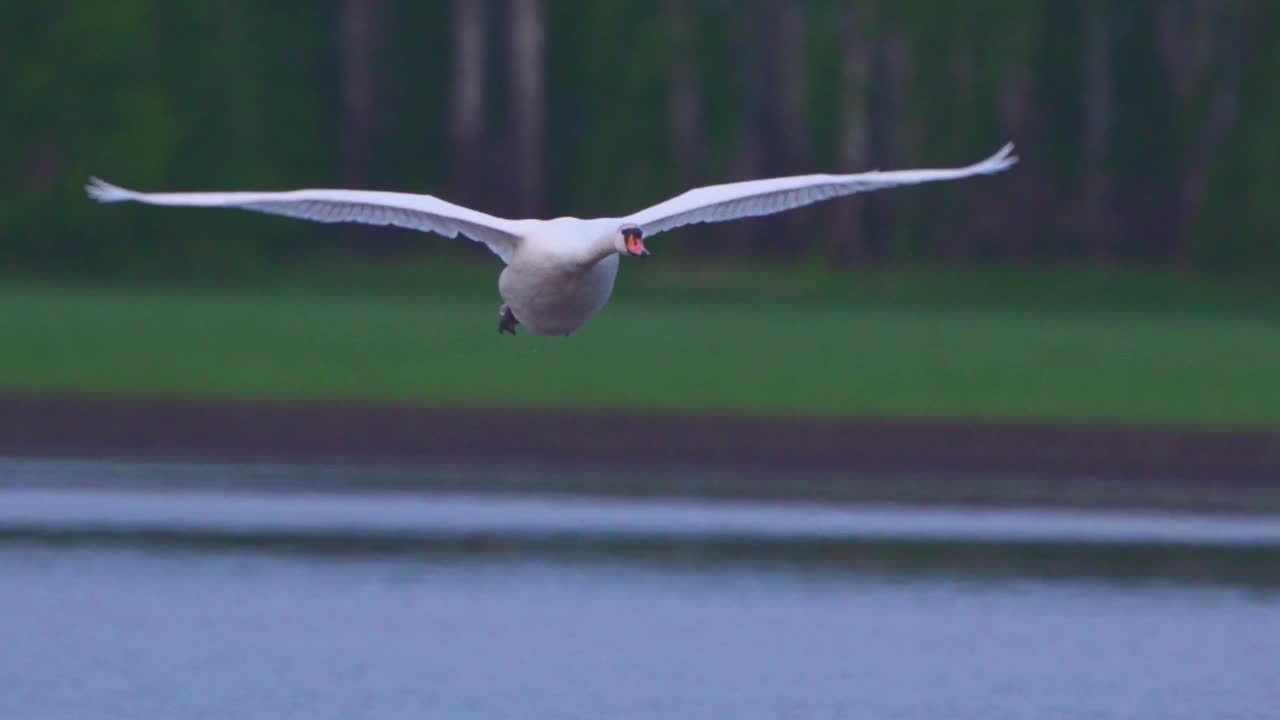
(600, 251)
(599, 248)
(573, 242)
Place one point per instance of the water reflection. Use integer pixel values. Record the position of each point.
(214, 596)
(131, 632)
(1038, 542)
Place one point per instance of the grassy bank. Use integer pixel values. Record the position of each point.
(1047, 345)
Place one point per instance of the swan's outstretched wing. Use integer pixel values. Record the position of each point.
(417, 212)
(716, 203)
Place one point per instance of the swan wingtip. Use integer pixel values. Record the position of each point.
(105, 192)
(1002, 160)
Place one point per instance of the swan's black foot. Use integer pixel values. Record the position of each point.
(507, 322)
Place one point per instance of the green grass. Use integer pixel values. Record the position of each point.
(1056, 346)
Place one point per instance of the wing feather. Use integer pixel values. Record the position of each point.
(369, 207)
(717, 203)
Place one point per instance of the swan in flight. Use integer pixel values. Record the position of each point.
(558, 272)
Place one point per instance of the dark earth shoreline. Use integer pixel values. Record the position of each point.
(64, 426)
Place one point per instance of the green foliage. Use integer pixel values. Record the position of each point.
(157, 95)
(242, 94)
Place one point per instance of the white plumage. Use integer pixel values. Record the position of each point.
(559, 272)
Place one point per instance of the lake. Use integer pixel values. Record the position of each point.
(247, 604)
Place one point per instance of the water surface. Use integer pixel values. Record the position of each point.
(248, 604)
(173, 633)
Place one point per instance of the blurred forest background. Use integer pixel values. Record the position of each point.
(1149, 129)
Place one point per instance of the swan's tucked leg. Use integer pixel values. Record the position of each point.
(507, 321)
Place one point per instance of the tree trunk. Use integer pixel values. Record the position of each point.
(1098, 224)
(895, 132)
(684, 101)
(957, 243)
(467, 99)
(791, 103)
(848, 237)
(361, 20)
(528, 102)
(774, 131)
(1007, 227)
(755, 94)
(1201, 48)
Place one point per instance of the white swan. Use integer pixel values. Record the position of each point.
(559, 272)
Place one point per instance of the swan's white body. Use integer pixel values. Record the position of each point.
(558, 272)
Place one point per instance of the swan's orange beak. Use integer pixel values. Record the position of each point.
(635, 245)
